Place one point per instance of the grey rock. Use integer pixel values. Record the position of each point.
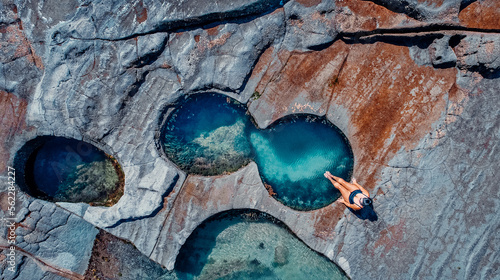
(20, 68)
(72, 245)
(479, 53)
(115, 20)
(24, 268)
(309, 27)
(281, 255)
(7, 12)
(110, 69)
(445, 227)
(441, 54)
(131, 68)
(425, 11)
(35, 206)
(38, 17)
(211, 195)
(472, 52)
(224, 60)
(48, 209)
(55, 236)
(421, 54)
(28, 268)
(133, 230)
(76, 208)
(70, 64)
(141, 17)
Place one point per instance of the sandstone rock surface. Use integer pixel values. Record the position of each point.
(413, 85)
(50, 243)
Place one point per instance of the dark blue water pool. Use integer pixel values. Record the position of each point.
(249, 245)
(207, 134)
(64, 169)
(211, 134)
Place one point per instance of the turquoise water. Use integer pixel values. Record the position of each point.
(293, 155)
(211, 134)
(70, 170)
(249, 245)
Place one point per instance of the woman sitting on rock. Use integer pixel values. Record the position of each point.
(354, 195)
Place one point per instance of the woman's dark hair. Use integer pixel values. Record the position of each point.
(366, 201)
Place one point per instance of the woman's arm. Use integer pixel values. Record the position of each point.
(352, 206)
(363, 190)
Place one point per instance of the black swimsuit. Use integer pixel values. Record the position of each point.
(352, 195)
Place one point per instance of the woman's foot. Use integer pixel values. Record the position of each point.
(328, 175)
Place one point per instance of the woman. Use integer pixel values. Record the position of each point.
(354, 195)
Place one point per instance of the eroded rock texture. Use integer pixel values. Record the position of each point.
(413, 84)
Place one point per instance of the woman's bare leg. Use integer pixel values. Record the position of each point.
(348, 186)
(343, 191)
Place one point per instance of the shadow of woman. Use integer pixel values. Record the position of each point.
(366, 213)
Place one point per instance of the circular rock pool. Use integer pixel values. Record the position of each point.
(68, 170)
(212, 134)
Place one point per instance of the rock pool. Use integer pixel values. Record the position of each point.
(211, 134)
(207, 134)
(246, 244)
(63, 169)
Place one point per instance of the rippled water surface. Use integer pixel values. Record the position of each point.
(211, 134)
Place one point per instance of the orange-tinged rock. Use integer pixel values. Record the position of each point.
(13, 39)
(13, 44)
(264, 60)
(12, 116)
(366, 16)
(213, 31)
(325, 219)
(391, 101)
(481, 14)
(205, 42)
(296, 82)
(309, 3)
(141, 12)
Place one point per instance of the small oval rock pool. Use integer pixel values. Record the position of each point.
(211, 134)
(246, 244)
(67, 170)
